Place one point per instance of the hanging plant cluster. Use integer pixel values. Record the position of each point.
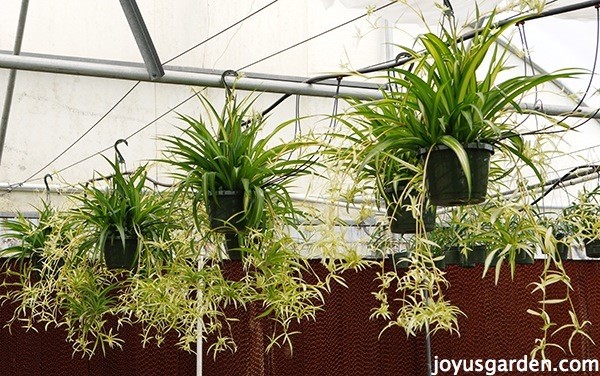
(443, 135)
(125, 254)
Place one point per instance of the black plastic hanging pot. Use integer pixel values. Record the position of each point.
(524, 257)
(476, 256)
(232, 243)
(592, 248)
(401, 259)
(226, 211)
(441, 263)
(401, 218)
(452, 256)
(446, 180)
(562, 248)
(119, 254)
(495, 259)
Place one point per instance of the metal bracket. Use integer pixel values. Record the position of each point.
(143, 39)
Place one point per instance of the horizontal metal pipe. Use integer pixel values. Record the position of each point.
(184, 77)
(38, 188)
(179, 77)
(556, 110)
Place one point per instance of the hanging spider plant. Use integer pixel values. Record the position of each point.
(125, 214)
(454, 99)
(30, 235)
(30, 238)
(230, 151)
(581, 221)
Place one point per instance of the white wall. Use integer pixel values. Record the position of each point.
(51, 111)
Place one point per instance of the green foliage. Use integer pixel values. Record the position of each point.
(31, 237)
(123, 209)
(581, 219)
(226, 151)
(453, 96)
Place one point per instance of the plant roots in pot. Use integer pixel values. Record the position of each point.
(446, 180)
(118, 257)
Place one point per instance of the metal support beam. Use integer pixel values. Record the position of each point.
(212, 78)
(183, 77)
(12, 76)
(142, 38)
(556, 110)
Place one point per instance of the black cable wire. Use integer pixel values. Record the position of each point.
(527, 62)
(131, 135)
(469, 35)
(316, 36)
(374, 67)
(31, 177)
(569, 175)
(80, 137)
(589, 85)
(585, 94)
(221, 32)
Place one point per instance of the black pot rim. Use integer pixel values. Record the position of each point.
(478, 145)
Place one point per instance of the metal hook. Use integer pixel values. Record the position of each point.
(229, 72)
(46, 177)
(449, 11)
(119, 155)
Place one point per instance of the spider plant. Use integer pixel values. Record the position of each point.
(581, 221)
(122, 211)
(30, 235)
(455, 97)
(390, 173)
(227, 151)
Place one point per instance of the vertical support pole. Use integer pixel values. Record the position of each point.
(428, 342)
(428, 350)
(10, 87)
(199, 344)
(388, 40)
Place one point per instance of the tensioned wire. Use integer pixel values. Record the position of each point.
(280, 100)
(31, 178)
(124, 96)
(586, 92)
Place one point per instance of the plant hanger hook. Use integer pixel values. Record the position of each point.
(228, 91)
(119, 155)
(46, 177)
